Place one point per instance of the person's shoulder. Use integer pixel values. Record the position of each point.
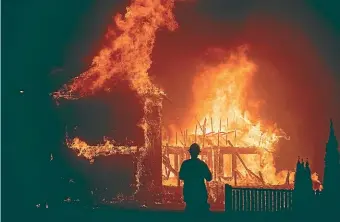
(185, 161)
(203, 163)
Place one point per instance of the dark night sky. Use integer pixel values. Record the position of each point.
(296, 40)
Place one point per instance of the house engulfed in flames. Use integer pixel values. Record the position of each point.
(237, 150)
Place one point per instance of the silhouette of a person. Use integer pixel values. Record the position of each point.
(193, 172)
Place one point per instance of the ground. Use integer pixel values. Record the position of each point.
(72, 213)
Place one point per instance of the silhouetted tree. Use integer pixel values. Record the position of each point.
(331, 181)
(298, 185)
(308, 178)
(297, 177)
(308, 192)
(303, 187)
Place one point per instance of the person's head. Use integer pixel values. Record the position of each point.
(194, 150)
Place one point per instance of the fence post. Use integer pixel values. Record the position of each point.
(228, 198)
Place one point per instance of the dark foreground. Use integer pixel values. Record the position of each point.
(110, 214)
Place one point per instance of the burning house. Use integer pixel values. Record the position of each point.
(126, 57)
(237, 147)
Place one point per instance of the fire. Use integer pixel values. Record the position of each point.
(127, 56)
(219, 100)
(219, 95)
(108, 148)
(316, 182)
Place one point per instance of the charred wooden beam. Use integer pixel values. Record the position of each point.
(248, 170)
(234, 168)
(167, 164)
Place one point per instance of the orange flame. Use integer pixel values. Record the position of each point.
(89, 152)
(126, 57)
(219, 91)
(220, 100)
(317, 185)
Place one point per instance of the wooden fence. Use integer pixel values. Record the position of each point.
(259, 200)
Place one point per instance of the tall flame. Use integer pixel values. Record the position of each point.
(126, 57)
(219, 103)
(220, 92)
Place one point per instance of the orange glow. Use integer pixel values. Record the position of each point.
(108, 148)
(219, 115)
(315, 179)
(219, 94)
(126, 57)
